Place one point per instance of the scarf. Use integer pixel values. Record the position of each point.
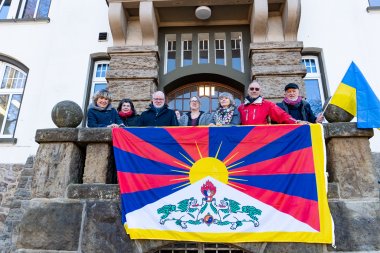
(251, 99)
(224, 116)
(291, 102)
(125, 115)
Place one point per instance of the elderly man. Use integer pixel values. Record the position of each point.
(296, 106)
(158, 113)
(258, 111)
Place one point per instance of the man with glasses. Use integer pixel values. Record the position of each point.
(257, 111)
(158, 113)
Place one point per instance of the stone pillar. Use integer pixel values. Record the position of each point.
(133, 74)
(355, 205)
(275, 64)
(350, 160)
(58, 162)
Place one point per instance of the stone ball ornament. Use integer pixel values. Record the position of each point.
(334, 113)
(67, 114)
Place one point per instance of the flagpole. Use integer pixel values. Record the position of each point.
(327, 104)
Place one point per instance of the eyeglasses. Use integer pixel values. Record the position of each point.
(254, 88)
(158, 99)
(194, 100)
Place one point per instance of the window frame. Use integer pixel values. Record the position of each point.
(319, 76)
(21, 10)
(372, 6)
(8, 62)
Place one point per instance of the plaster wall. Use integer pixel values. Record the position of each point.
(58, 57)
(345, 32)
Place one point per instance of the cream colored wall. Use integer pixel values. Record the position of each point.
(57, 55)
(346, 32)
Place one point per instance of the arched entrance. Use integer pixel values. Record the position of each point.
(200, 248)
(207, 91)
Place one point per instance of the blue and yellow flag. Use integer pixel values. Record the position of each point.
(355, 96)
(224, 184)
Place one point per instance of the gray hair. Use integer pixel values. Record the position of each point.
(198, 99)
(102, 93)
(158, 92)
(227, 95)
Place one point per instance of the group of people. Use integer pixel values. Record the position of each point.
(254, 111)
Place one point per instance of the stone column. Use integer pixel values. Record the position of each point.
(355, 206)
(133, 74)
(275, 64)
(350, 160)
(58, 162)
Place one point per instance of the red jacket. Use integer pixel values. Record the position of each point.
(261, 111)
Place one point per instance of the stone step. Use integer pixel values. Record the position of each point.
(93, 191)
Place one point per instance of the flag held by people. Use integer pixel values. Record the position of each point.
(355, 96)
(224, 184)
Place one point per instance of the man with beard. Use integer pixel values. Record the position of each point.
(158, 113)
(296, 106)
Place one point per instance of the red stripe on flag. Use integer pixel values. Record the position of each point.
(128, 142)
(132, 182)
(256, 139)
(301, 209)
(191, 137)
(300, 161)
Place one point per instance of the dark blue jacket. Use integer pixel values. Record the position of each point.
(131, 121)
(165, 117)
(301, 111)
(102, 118)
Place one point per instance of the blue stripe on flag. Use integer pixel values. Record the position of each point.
(128, 162)
(136, 200)
(295, 140)
(162, 140)
(301, 185)
(226, 136)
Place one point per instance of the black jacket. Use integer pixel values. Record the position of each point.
(102, 118)
(301, 112)
(165, 117)
(131, 121)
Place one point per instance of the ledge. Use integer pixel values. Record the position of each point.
(270, 46)
(95, 135)
(132, 49)
(8, 140)
(373, 8)
(345, 129)
(57, 135)
(25, 20)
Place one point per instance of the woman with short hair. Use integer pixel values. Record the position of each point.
(195, 117)
(227, 113)
(127, 113)
(100, 111)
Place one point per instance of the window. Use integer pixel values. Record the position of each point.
(374, 3)
(207, 91)
(34, 9)
(170, 53)
(99, 77)
(11, 90)
(313, 83)
(4, 8)
(203, 48)
(187, 50)
(236, 51)
(24, 9)
(220, 55)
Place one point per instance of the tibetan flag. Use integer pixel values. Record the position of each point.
(224, 184)
(355, 96)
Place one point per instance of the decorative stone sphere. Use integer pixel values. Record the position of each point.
(334, 113)
(67, 114)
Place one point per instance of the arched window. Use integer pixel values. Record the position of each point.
(12, 83)
(207, 91)
(200, 248)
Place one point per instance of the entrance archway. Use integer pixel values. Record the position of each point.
(208, 92)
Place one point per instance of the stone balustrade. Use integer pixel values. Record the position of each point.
(74, 175)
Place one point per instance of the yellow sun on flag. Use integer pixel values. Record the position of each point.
(208, 166)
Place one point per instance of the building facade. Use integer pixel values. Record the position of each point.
(47, 55)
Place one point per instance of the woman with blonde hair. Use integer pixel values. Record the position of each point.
(101, 113)
(227, 113)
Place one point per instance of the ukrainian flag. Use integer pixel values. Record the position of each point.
(355, 96)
